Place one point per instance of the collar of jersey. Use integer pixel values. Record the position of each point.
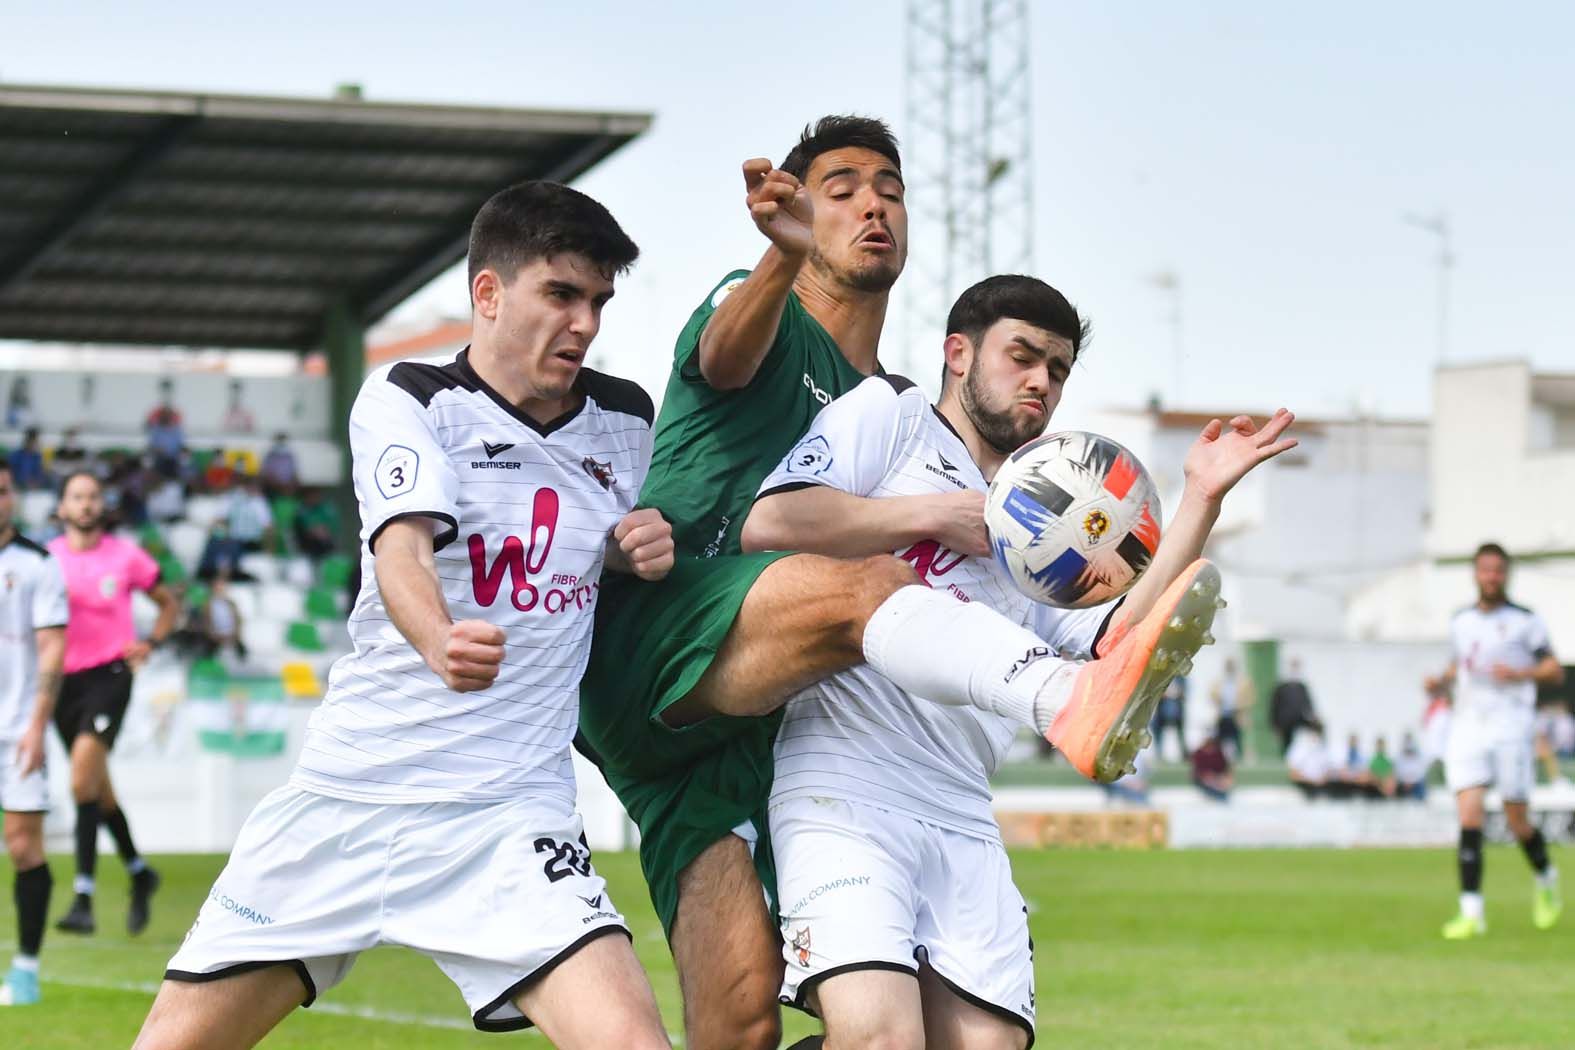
(557, 423)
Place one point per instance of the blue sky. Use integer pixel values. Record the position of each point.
(1263, 152)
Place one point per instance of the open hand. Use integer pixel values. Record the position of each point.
(1223, 454)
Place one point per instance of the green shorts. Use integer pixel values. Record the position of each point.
(684, 788)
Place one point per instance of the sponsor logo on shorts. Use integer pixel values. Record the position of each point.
(800, 942)
(714, 548)
(236, 908)
(592, 902)
(847, 882)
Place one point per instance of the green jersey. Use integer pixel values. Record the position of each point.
(714, 447)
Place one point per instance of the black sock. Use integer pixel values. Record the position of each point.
(87, 838)
(1470, 860)
(814, 1042)
(31, 891)
(1536, 848)
(115, 821)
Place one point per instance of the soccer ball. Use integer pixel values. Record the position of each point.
(1073, 519)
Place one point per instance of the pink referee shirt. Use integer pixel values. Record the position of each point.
(99, 582)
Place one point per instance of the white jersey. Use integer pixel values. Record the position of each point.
(32, 596)
(524, 512)
(1482, 638)
(856, 736)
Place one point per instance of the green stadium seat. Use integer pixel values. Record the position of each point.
(335, 572)
(284, 508)
(196, 596)
(303, 635)
(322, 603)
(171, 571)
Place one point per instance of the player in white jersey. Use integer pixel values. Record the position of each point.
(1501, 654)
(33, 615)
(899, 917)
(433, 802)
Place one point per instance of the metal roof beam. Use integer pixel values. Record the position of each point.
(92, 201)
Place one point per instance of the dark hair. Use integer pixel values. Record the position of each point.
(840, 132)
(69, 478)
(537, 220)
(1491, 548)
(1016, 297)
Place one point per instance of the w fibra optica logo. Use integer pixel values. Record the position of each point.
(524, 562)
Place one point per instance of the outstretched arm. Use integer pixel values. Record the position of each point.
(1218, 459)
(822, 520)
(739, 335)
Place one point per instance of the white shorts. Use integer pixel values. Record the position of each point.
(496, 894)
(19, 792)
(1474, 758)
(865, 889)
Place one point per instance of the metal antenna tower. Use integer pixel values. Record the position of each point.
(968, 156)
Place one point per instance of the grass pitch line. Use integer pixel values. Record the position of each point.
(365, 1013)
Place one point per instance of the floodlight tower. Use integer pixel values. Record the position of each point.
(968, 155)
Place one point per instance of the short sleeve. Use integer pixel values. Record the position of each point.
(686, 354)
(1073, 633)
(400, 468)
(1537, 639)
(852, 444)
(142, 572)
(50, 607)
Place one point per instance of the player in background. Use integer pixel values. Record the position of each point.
(682, 671)
(1501, 654)
(103, 653)
(32, 652)
(900, 921)
(433, 802)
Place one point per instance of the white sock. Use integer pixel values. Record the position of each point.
(136, 866)
(83, 884)
(1471, 905)
(29, 963)
(964, 654)
(1548, 879)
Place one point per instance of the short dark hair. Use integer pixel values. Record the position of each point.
(66, 481)
(1016, 297)
(537, 220)
(1491, 548)
(840, 132)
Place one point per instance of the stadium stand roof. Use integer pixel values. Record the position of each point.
(237, 221)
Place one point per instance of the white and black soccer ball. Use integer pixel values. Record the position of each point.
(1074, 519)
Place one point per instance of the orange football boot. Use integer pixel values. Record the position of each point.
(1104, 722)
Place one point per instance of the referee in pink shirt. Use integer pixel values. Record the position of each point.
(102, 653)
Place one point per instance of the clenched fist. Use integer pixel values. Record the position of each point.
(645, 543)
(780, 206)
(470, 656)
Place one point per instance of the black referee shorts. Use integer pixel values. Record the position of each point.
(93, 701)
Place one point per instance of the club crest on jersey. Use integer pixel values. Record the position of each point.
(601, 472)
(10, 582)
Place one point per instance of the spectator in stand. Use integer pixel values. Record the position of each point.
(316, 524)
(249, 518)
(221, 555)
(1233, 699)
(219, 475)
(220, 622)
(279, 472)
(238, 418)
(1307, 760)
(1291, 706)
(1411, 770)
(166, 500)
(1353, 773)
(166, 432)
(1171, 713)
(1381, 770)
(1133, 787)
(27, 464)
(1211, 769)
(19, 405)
(70, 455)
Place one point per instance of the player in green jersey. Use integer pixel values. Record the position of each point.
(682, 671)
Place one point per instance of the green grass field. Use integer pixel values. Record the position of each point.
(1281, 949)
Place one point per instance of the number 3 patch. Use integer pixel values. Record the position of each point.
(810, 456)
(396, 471)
